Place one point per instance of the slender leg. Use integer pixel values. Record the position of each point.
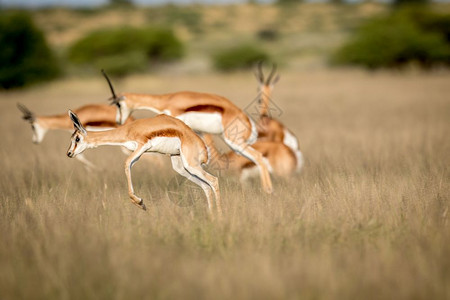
(89, 166)
(257, 158)
(128, 164)
(177, 165)
(212, 183)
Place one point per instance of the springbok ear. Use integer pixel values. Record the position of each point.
(76, 122)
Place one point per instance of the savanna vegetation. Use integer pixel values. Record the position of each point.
(368, 218)
(25, 56)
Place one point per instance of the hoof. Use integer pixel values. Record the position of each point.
(269, 191)
(140, 204)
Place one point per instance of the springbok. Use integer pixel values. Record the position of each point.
(205, 113)
(161, 134)
(270, 129)
(95, 117)
(282, 160)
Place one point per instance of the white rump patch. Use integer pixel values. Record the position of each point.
(290, 140)
(300, 160)
(204, 122)
(164, 145)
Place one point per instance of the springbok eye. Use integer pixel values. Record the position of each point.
(77, 139)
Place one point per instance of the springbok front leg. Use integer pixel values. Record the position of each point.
(128, 164)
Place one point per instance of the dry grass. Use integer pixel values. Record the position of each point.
(368, 217)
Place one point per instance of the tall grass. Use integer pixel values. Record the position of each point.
(368, 218)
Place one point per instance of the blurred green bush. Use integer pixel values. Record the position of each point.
(25, 56)
(405, 36)
(126, 50)
(240, 57)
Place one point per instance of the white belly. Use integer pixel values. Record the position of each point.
(97, 128)
(165, 145)
(203, 122)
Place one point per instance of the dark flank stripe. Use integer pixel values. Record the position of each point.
(165, 133)
(205, 109)
(100, 124)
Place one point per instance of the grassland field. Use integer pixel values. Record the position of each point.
(367, 218)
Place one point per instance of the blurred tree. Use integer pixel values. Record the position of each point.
(408, 35)
(125, 50)
(121, 2)
(409, 2)
(25, 56)
(282, 2)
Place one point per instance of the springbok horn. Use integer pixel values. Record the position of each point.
(27, 114)
(272, 73)
(114, 97)
(259, 73)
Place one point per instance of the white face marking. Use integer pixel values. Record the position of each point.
(203, 122)
(164, 145)
(77, 144)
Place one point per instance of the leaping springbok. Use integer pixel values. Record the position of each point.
(205, 113)
(162, 134)
(95, 117)
(270, 129)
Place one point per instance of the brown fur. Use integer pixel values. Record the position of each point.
(95, 115)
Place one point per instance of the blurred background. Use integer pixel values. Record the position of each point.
(364, 86)
(49, 39)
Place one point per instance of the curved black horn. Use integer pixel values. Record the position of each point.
(114, 97)
(272, 73)
(259, 73)
(27, 114)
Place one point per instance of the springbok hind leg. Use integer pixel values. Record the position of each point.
(208, 182)
(128, 164)
(180, 166)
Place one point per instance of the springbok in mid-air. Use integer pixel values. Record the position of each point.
(269, 129)
(161, 134)
(95, 117)
(205, 113)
